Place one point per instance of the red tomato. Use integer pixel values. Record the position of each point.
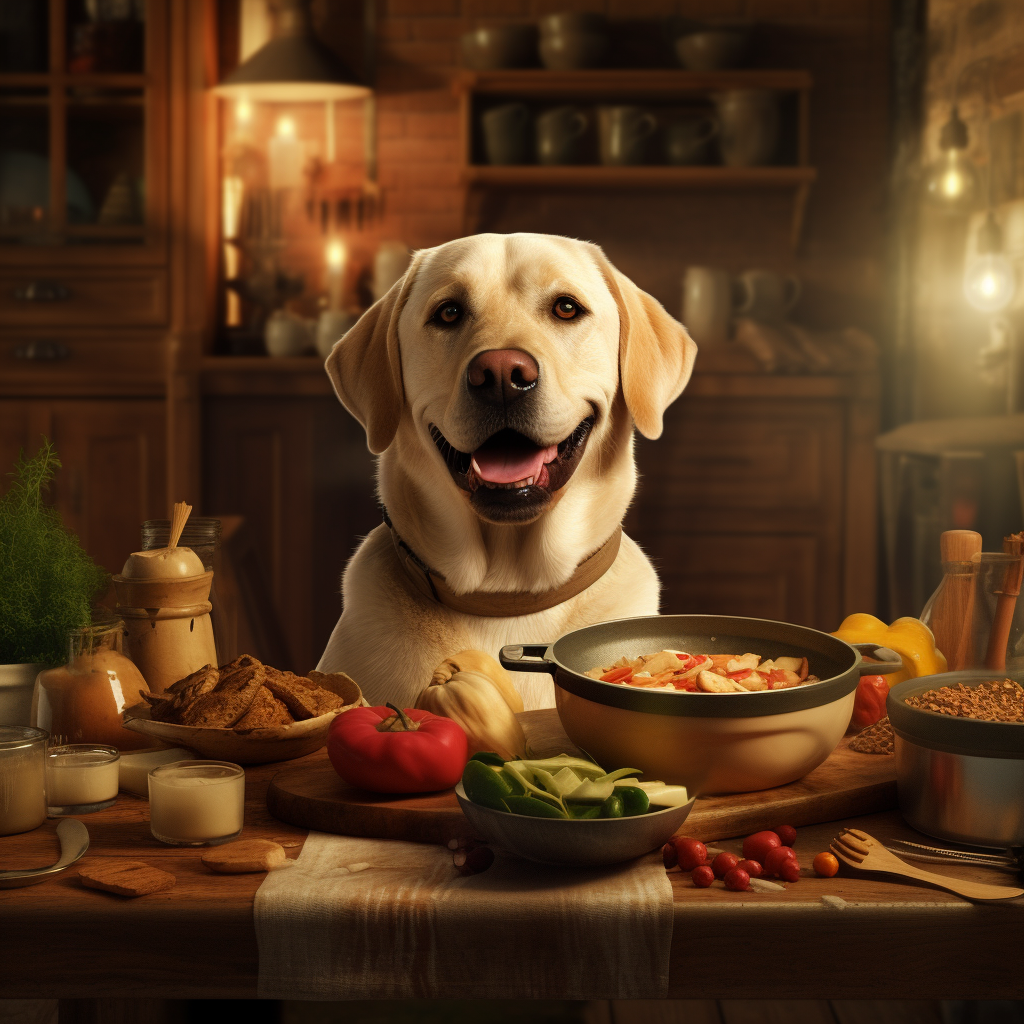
(756, 847)
(752, 868)
(669, 856)
(869, 704)
(723, 864)
(776, 858)
(691, 853)
(702, 876)
(790, 870)
(737, 880)
(787, 834)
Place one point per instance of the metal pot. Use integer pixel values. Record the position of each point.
(960, 779)
(709, 742)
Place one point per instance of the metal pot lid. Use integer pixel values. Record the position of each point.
(970, 736)
(837, 664)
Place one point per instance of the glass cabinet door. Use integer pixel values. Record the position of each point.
(78, 89)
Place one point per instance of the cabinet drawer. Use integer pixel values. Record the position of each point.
(82, 363)
(82, 299)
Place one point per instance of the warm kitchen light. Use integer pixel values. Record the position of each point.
(285, 128)
(243, 113)
(952, 180)
(335, 272)
(285, 155)
(989, 278)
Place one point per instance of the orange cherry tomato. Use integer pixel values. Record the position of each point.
(825, 865)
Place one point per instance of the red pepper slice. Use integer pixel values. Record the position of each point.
(742, 674)
(387, 750)
(869, 704)
(617, 675)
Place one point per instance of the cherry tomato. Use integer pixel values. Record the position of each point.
(825, 865)
(723, 864)
(669, 856)
(756, 847)
(776, 858)
(737, 880)
(790, 870)
(691, 853)
(752, 868)
(787, 834)
(702, 876)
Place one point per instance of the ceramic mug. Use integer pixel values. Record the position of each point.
(625, 133)
(766, 296)
(559, 135)
(286, 334)
(570, 41)
(749, 122)
(506, 138)
(687, 141)
(707, 304)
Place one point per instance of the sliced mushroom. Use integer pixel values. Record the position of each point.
(712, 682)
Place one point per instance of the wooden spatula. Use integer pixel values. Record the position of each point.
(861, 852)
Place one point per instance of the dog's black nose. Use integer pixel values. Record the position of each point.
(501, 375)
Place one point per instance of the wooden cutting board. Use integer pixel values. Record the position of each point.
(848, 784)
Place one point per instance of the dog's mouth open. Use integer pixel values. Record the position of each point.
(510, 478)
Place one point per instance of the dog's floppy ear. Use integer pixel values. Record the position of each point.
(365, 366)
(655, 353)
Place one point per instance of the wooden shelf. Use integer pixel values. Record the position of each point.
(538, 82)
(640, 177)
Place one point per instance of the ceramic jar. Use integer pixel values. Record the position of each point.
(749, 123)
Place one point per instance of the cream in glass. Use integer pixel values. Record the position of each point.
(195, 803)
(22, 779)
(81, 778)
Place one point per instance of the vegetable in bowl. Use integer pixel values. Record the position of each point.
(564, 787)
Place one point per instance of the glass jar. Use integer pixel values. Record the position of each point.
(202, 535)
(196, 803)
(82, 701)
(22, 779)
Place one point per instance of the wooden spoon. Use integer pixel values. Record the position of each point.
(860, 851)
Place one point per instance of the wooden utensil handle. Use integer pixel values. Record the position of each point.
(963, 887)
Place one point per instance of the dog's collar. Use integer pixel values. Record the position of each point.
(505, 604)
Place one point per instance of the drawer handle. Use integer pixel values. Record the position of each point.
(42, 351)
(42, 291)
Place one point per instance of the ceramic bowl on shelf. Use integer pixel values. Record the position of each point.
(496, 47)
(259, 746)
(714, 49)
(708, 742)
(587, 842)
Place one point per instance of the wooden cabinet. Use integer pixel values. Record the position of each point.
(113, 454)
(759, 498)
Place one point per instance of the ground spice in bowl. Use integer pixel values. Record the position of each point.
(992, 701)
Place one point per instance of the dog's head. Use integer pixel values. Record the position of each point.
(508, 355)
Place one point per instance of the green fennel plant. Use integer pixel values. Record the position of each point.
(47, 582)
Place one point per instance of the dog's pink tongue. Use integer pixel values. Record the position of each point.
(506, 464)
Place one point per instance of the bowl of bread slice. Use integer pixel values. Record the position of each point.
(246, 712)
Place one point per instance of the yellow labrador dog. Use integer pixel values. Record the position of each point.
(499, 381)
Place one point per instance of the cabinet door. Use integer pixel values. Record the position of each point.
(114, 472)
(299, 473)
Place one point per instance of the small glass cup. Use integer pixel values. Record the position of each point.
(80, 778)
(196, 803)
(22, 779)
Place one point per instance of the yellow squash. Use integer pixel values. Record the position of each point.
(910, 638)
(471, 688)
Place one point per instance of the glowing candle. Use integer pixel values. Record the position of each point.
(335, 273)
(285, 152)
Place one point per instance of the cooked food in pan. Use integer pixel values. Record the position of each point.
(706, 673)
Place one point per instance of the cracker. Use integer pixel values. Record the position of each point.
(244, 856)
(127, 878)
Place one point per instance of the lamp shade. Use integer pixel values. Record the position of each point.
(294, 67)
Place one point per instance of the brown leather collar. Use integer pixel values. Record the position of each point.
(502, 604)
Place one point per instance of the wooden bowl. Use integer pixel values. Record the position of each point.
(260, 746)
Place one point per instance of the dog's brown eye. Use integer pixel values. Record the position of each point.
(449, 313)
(565, 308)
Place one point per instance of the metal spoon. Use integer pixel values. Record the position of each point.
(74, 841)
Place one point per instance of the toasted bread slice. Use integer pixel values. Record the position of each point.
(266, 711)
(207, 676)
(296, 692)
(234, 694)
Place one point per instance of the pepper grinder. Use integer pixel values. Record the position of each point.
(163, 596)
(950, 610)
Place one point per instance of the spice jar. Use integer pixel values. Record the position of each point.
(163, 596)
(82, 701)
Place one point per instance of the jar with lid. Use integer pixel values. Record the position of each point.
(82, 701)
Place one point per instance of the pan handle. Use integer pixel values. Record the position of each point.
(526, 658)
(888, 660)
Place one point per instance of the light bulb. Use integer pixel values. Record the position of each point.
(335, 254)
(285, 128)
(952, 181)
(243, 113)
(989, 282)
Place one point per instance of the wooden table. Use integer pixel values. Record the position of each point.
(886, 941)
